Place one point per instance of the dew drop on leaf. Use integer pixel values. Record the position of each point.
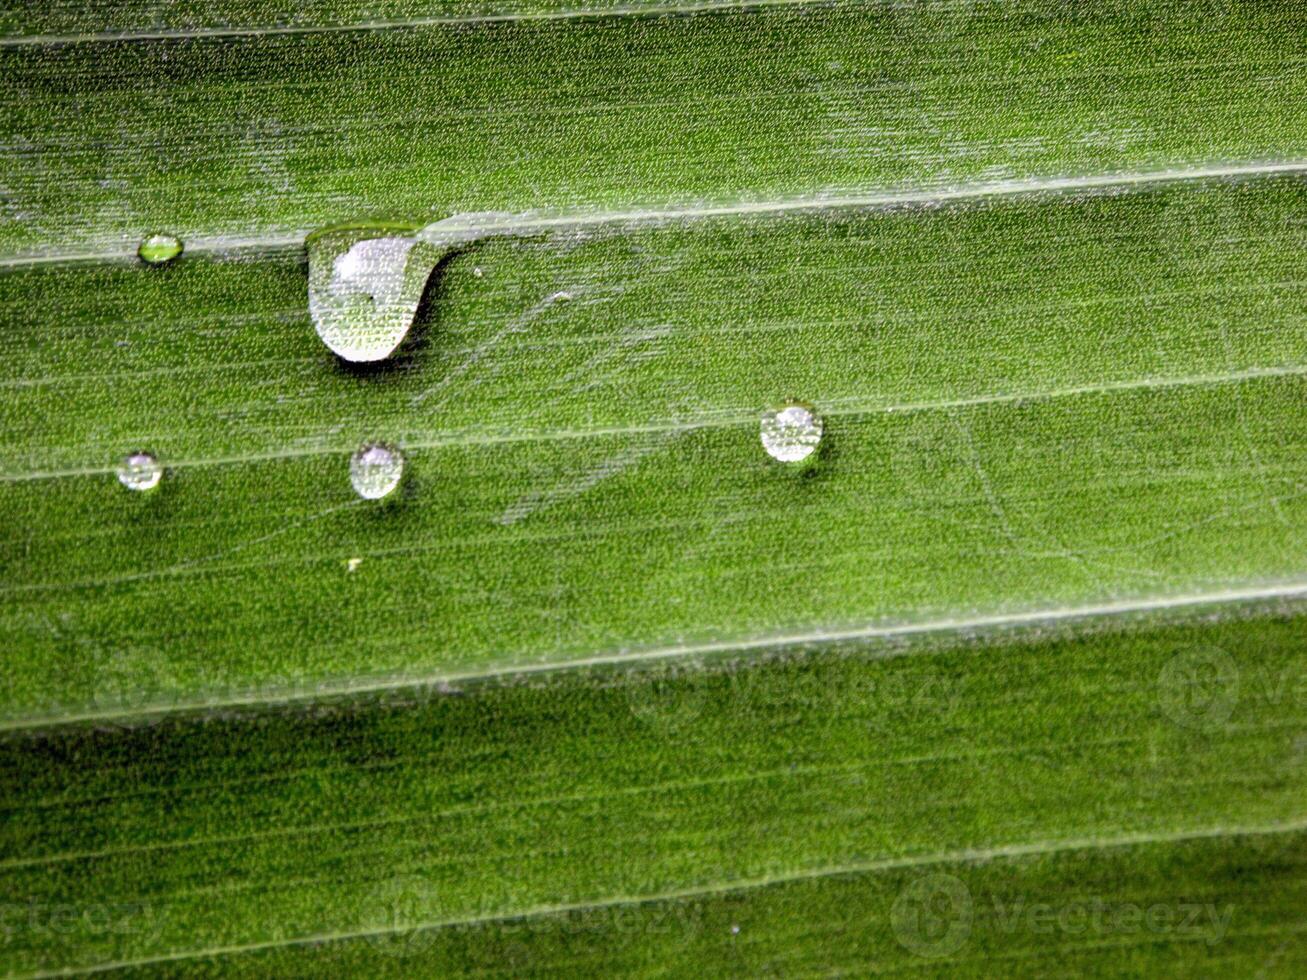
(364, 289)
(140, 471)
(158, 249)
(791, 433)
(375, 471)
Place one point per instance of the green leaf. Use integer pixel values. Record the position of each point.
(1009, 676)
(618, 820)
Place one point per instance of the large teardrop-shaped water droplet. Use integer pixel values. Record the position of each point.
(364, 288)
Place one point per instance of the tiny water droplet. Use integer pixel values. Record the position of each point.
(375, 471)
(364, 288)
(477, 272)
(791, 433)
(140, 471)
(158, 249)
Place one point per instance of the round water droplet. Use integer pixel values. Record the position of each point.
(140, 471)
(375, 471)
(365, 285)
(791, 433)
(158, 249)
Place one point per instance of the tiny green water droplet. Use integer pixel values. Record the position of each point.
(791, 433)
(375, 471)
(140, 471)
(158, 249)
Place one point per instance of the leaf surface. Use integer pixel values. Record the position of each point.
(1010, 676)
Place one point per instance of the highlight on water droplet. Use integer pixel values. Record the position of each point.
(791, 433)
(375, 470)
(159, 248)
(365, 284)
(140, 471)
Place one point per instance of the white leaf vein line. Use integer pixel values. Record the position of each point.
(542, 222)
(722, 419)
(597, 12)
(1232, 596)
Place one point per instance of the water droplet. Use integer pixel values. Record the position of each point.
(158, 249)
(375, 471)
(791, 433)
(364, 288)
(140, 471)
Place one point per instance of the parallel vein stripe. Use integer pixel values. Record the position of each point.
(432, 817)
(540, 222)
(1231, 596)
(724, 419)
(401, 23)
(907, 862)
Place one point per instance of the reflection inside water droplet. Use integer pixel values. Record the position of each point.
(364, 289)
(140, 471)
(791, 433)
(375, 471)
(158, 249)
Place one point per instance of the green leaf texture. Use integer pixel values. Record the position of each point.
(1009, 678)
